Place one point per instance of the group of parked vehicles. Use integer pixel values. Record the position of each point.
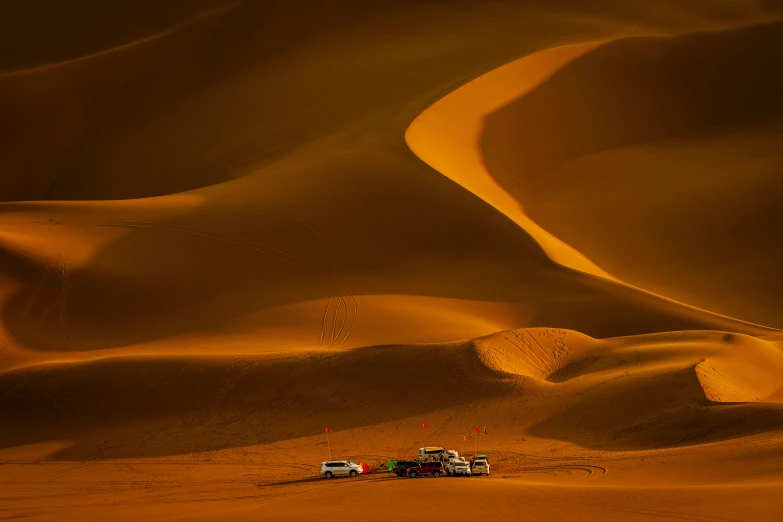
(432, 462)
(436, 461)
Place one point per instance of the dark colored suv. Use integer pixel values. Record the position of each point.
(401, 467)
(426, 468)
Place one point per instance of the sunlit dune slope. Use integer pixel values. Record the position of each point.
(641, 392)
(658, 159)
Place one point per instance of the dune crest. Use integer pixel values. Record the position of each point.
(447, 136)
(747, 370)
(51, 67)
(632, 154)
(534, 352)
(581, 144)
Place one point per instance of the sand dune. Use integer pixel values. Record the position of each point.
(174, 405)
(670, 125)
(541, 138)
(645, 391)
(447, 136)
(228, 225)
(126, 268)
(642, 392)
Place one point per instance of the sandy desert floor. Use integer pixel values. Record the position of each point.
(226, 226)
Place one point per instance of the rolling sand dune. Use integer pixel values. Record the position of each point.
(639, 392)
(290, 280)
(227, 226)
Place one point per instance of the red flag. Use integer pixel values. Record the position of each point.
(464, 438)
(478, 430)
(398, 428)
(328, 430)
(424, 426)
(485, 431)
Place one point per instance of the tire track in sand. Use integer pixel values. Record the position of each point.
(569, 469)
(338, 260)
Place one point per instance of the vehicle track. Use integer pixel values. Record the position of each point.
(569, 469)
(338, 260)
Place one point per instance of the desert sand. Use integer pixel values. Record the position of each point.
(226, 226)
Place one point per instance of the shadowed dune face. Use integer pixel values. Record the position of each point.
(197, 93)
(165, 406)
(150, 99)
(51, 32)
(659, 159)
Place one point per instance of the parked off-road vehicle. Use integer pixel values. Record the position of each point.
(340, 468)
(480, 466)
(401, 467)
(458, 467)
(426, 468)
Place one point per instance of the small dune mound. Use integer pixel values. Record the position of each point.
(532, 352)
(664, 390)
(720, 387)
(748, 370)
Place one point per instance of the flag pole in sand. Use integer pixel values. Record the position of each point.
(328, 431)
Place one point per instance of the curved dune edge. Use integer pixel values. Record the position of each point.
(47, 67)
(446, 137)
(754, 377)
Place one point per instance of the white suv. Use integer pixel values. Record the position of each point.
(480, 467)
(340, 468)
(457, 467)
